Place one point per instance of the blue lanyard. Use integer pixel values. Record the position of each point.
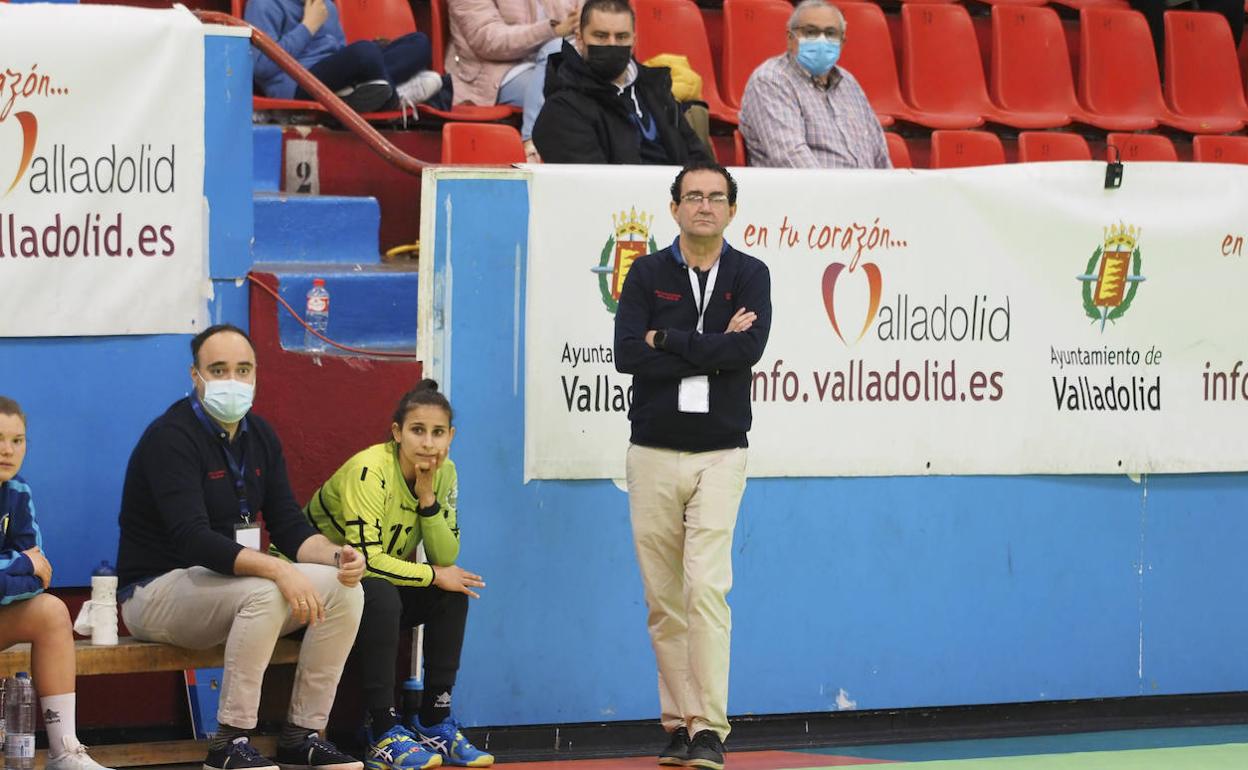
(237, 469)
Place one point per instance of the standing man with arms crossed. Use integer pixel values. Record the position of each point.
(693, 319)
(192, 575)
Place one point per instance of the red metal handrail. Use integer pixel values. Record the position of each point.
(337, 107)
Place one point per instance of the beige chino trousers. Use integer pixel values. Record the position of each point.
(683, 507)
(198, 608)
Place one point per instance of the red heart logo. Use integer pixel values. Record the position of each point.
(30, 132)
(875, 284)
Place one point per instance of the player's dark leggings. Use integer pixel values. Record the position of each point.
(388, 609)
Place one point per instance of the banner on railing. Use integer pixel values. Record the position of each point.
(101, 171)
(1000, 320)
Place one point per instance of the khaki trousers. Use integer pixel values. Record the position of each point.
(198, 608)
(683, 507)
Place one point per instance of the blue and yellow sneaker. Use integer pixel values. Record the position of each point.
(447, 741)
(398, 749)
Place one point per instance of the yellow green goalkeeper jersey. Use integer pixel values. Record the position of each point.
(368, 504)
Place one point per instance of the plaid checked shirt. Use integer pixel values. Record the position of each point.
(788, 120)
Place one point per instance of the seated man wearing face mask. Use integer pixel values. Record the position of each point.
(800, 110)
(603, 107)
(191, 572)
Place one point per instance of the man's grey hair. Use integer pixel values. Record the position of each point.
(797, 11)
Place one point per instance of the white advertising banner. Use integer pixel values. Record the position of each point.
(101, 170)
(999, 320)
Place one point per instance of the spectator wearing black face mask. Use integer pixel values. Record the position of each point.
(603, 107)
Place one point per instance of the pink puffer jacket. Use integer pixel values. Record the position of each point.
(488, 37)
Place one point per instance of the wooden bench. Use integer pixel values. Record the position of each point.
(131, 656)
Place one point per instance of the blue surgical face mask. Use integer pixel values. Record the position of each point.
(818, 56)
(228, 401)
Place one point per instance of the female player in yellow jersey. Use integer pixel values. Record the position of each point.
(385, 501)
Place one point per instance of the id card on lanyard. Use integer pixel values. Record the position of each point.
(694, 394)
(246, 532)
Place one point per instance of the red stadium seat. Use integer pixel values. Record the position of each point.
(1079, 5)
(754, 31)
(1119, 73)
(481, 144)
(1118, 79)
(956, 149)
(1031, 67)
(898, 152)
(375, 19)
(1202, 70)
(1220, 149)
(943, 73)
(676, 26)
(868, 56)
(1138, 147)
(1036, 146)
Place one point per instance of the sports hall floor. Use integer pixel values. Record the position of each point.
(1221, 747)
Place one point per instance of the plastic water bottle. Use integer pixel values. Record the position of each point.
(19, 720)
(316, 315)
(104, 605)
(412, 692)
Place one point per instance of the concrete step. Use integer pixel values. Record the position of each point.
(370, 306)
(316, 228)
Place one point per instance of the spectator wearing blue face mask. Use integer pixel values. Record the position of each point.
(800, 110)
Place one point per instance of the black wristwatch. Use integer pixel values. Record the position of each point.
(660, 339)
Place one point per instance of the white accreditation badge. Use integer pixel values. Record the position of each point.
(247, 535)
(694, 394)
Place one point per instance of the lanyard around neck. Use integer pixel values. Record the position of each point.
(237, 467)
(703, 298)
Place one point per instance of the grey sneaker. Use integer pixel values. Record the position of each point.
(677, 751)
(706, 750)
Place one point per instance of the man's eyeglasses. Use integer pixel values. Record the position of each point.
(697, 198)
(814, 33)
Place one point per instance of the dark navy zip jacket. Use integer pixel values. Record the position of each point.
(18, 532)
(657, 295)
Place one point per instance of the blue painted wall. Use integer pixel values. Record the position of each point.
(88, 399)
(899, 592)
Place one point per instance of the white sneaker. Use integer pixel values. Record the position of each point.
(75, 758)
(419, 88)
